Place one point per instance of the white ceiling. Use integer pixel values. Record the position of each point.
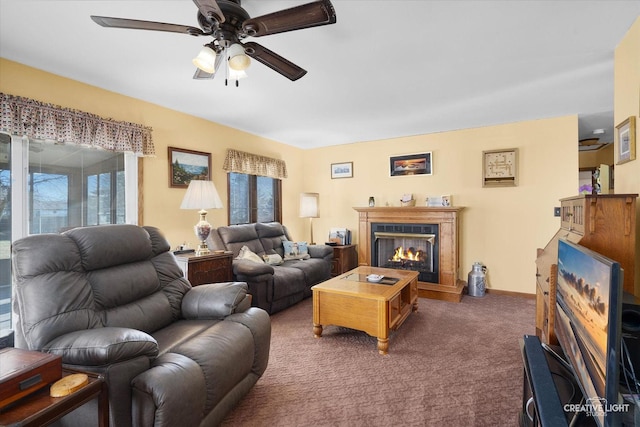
(386, 69)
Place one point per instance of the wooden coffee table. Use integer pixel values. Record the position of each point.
(351, 301)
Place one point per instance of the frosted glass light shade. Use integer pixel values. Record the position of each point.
(238, 60)
(236, 75)
(206, 60)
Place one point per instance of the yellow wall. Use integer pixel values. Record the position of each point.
(626, 104)
(170, 128)
(502, 227)
(593, 159)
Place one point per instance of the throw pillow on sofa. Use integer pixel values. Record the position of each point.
(272, 259)
(295, 250)
(246, 253)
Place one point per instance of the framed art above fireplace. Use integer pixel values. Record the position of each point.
(411, 164)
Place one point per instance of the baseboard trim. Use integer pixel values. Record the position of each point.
(510, 293)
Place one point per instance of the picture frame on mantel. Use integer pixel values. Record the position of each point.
(626, 140)
(411, 164)
(185, 165)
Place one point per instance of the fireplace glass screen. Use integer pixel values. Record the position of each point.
(407, 247)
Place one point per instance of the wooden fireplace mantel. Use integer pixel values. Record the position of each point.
(450, 286)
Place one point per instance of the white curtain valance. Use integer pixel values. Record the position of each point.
(37, 120)
(253, 164)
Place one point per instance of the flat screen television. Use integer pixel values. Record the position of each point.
(589, 326)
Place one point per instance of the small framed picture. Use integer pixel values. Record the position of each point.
(410, 164)
(500, 168)
(342, 170)
(626, 138)
(185, 165)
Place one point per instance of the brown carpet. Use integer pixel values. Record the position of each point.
(448, 365)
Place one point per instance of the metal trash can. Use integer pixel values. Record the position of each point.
(477, 280)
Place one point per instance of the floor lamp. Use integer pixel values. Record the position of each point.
(201, 195)
(309, 209)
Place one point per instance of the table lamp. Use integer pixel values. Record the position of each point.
(201, 195)
(309, 209)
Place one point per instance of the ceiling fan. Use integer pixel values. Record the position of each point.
(228, 23)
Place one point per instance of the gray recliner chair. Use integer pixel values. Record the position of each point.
(112, 300)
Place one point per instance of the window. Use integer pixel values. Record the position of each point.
(48, 188)
(253, 198)
(71, 186)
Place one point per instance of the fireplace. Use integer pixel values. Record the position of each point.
(406, 247)
(432, 231)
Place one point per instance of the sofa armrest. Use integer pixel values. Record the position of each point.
(245, 269)
(214, 301)
(102, 346)
(320, 251)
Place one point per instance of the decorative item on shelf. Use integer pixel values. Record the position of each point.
(309, 209)
(201, 195)
(585, 189)
(407, 200)
(372, 202)
(340, 236)
(439, 201)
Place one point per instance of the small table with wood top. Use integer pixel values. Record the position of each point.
(350, 300)
(40, 409)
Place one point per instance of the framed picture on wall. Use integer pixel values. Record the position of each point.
(500, 168)
(410, 164)
(626, 138)
(342, 170)
(185, 165)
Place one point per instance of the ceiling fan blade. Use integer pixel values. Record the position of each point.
(296, 18)
(135, 24)
(203, 75)
(274, 61)
(210, 9)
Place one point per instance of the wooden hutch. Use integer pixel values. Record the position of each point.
(605, 223)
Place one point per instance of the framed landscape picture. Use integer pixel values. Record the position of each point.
(342, 170)
(185, 165)
(410, 164)
(626, 136)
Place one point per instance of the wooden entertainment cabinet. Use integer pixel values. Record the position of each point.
(449, 286)
(605, 223)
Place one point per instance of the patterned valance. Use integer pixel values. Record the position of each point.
(37, 120)
(252, 164)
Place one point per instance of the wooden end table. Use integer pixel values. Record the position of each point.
(40, 409)
(351, 301)
(212, 268)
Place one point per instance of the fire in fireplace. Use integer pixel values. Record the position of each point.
(406, 247)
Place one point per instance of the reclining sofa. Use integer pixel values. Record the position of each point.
(273, 286)
(112, 300)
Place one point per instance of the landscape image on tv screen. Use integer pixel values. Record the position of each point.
(583, 288)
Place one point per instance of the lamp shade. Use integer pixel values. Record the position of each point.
(309, 205)
(201, 195)
(238, 60)
(206, 60)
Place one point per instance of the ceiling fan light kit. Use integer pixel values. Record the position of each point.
(206, 60)
(238, 61)
(228, 23)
